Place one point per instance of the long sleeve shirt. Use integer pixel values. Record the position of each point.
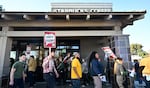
(96, 68)
(48, 65)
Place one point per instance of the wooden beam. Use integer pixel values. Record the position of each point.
(6, 17)
(60, 33)
(47, 17)
(140, 17)
(88, 17)
(27, 17)
(67, 17)
(109, 17)
(60, 23)
(130, 17)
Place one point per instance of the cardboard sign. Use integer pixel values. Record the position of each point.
(109, 52)
(49, 40)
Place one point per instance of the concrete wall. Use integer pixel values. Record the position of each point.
(87, 45)
(5, 47)
(6, 66)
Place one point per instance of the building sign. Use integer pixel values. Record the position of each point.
(109, 52)
(49, 40)
(82, 10)
(81, 7)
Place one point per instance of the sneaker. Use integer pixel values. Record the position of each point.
(70, 85)
(83, 85)
(87, 84)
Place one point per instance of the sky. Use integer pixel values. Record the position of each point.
(139, 32)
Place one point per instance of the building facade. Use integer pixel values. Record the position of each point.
(79, 27)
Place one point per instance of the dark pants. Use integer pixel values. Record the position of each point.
(76, 83)
(50, 79)
(31, 78)
(147, 83)
(18, 83)
(131, 82)
(85, 78)
(62, 78)
(138, 78)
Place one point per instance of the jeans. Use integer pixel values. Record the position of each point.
(31, 78)
(76, 83)
(18, 83)
(50, 79)
(138, 78)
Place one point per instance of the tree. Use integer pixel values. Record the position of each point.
(136, 49)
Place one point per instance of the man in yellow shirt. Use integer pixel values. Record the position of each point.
(146, 71)
(76, 71)
(31, 70)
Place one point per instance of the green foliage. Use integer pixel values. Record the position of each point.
(136, 49)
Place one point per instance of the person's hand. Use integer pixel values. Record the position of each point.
(11, 83)
(57, 75)
(68, 55)
(24, 77)
(49, 57)
(99, 75)
(78, 77)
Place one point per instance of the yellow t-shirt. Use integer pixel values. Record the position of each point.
(76, 63)
(145, 62)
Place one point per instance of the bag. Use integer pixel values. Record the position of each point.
(103, 78)
(125, 74)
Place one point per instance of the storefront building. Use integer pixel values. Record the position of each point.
(79, 27)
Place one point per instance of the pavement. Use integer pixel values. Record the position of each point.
(68, 85)
(43, 85)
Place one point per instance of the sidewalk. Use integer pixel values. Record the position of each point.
(43, 85)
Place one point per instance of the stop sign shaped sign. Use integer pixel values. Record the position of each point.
(49, 40)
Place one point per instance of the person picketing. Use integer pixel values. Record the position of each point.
(75, 66)
(17, 73)
(69, 67)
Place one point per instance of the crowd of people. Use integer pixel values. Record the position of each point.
(79, 71)
(139, 74)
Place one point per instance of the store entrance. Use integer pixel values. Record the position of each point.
(35, 47)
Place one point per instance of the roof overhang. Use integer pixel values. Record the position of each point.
(126, 18)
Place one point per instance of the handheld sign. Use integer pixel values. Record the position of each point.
(49, 40)
(109, 52)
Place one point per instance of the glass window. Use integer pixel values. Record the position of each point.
(64, 46)
(13, 54)
(35, 53)
(75, 47)
(122, 43)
